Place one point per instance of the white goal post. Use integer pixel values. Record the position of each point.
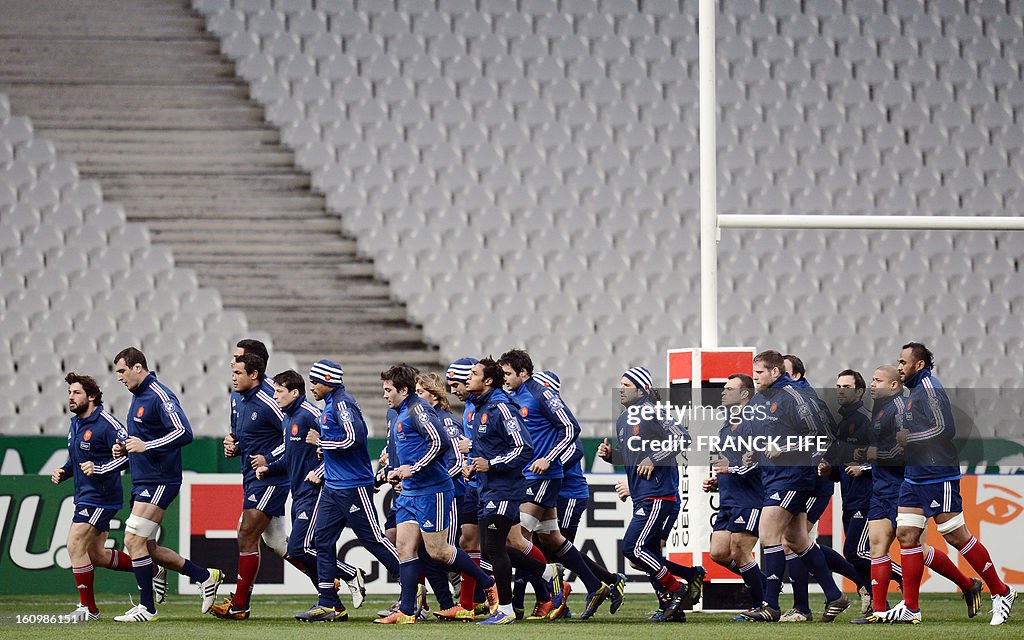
(711, 223)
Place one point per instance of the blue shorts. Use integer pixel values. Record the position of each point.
(737, 519)
(816, 506)
(270, 500)
(883, 507)
(160, 495)
(543, 493)
(794, 502)
(98, 517)
(469, 505)
(497, 506)
(941, 497)
(570, 512)
(432, 511)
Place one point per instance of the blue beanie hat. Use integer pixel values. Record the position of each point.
(458, 371)
(326, 372)
(640, 377)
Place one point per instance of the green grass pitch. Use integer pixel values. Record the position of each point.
(945, 618)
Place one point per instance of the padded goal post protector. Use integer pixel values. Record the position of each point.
(692, 374)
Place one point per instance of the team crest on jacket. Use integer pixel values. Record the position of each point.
(142, 410)
(398, 427)
(512, 424)
(170, 408)
(636, 430)
(775, 405)
(523, 411)
(423, 417)
(470, 416)
(483, 419)
(295, 429)
(87, 435)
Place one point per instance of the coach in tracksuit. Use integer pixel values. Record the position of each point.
(157, 430)
(347, 496)
(296, 456)
(501, 449)
(98, 494)
(653, 481)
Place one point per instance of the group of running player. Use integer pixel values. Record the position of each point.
(503, 488)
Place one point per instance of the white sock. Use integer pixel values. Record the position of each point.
(549, 571)
(506, 609)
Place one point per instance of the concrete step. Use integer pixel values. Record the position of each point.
(116, 61)
(96, 18)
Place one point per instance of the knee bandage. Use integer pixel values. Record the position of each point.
(547, 526)
(951, 525)
(139, 526)
(916, 520)
(529, 522)
(276, 535)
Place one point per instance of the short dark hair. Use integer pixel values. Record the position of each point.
(253, 364)
(772, 359)
(402, 376)
(493, 371)
(291, 380)
(858, 380)
(518, 359)
(92, 390)
(131, 357)
(920, 352)
(251, 345)
(745, 380)
(798, 364)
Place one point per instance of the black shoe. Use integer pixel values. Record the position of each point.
(834, 608)
(764, 613)
(676, 601)
(973, 597)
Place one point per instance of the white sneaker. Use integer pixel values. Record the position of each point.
(900, 614)
(138, 613)
(1001, 606)
(796, 615)
(160, 585)
(357, 587)
(82, 614)
(208, 589)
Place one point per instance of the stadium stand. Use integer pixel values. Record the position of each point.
(545, 153)
(527, 173)
(80, 282)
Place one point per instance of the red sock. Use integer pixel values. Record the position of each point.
(881, 573)
(977, 555)
(248, 567)
(667, 580)
(534, 552)
(941, 564)
(912, 561)
(469, 583)
(84, 579)
(120, 561)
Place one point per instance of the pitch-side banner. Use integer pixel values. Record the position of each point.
(211, 505)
